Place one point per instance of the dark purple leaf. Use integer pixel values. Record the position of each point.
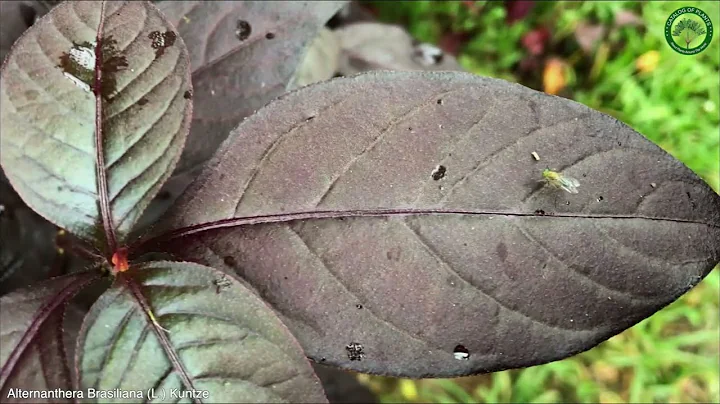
(32, 354)
(78, 143)
(207, 333)
(243, 54)
(15, 18)
(379, 266)
(27, 246)
(343, 387)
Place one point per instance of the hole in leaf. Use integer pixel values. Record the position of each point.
(540, 212)
(461, 353)
(230, 261)
(162, 41)
(78, 65)
(600, 198)
(269, 35)
(439, 172)
(358, 306)
(188, 94)
(440, 102)
(242, 30)
(355, 351)
(221, 284)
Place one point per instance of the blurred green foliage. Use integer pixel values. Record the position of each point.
(632, 74)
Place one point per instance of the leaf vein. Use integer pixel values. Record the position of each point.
(435, 254)
(367, 309)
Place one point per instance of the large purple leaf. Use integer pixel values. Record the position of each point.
(208, 333)
(32, 354)
(406, 232)
(94, 112)
(243, 54)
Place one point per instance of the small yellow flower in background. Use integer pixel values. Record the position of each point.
(648, 61)
(554, 79)
(408, 389)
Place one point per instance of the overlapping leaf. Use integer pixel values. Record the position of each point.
(219, 338)
(374, 46)
(32, 355)
(15, 18)
(27, 249)
(244, 54)
(397, 223)
(89, 133)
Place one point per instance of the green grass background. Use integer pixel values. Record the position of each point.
(673, 355)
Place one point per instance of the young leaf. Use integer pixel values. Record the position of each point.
(207, 333)
(244, 54)
(32, 355)
(93, 114)
(406, 230)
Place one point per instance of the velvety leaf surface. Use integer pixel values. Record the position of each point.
(226, 341)
(32, 355)
(81, 154)
(374, 46)
(411, 226)
(27, 242)
(243, 54)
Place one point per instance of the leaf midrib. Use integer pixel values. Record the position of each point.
(101, 171)
(185, 231)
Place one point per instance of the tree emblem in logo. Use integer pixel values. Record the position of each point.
(688, 30)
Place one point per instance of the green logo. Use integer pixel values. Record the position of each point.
(688, 30)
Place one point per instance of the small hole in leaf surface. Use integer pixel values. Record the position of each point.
(269, 35)
(243, 29)
(439, 172)
(461, 353)
(355, 351)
